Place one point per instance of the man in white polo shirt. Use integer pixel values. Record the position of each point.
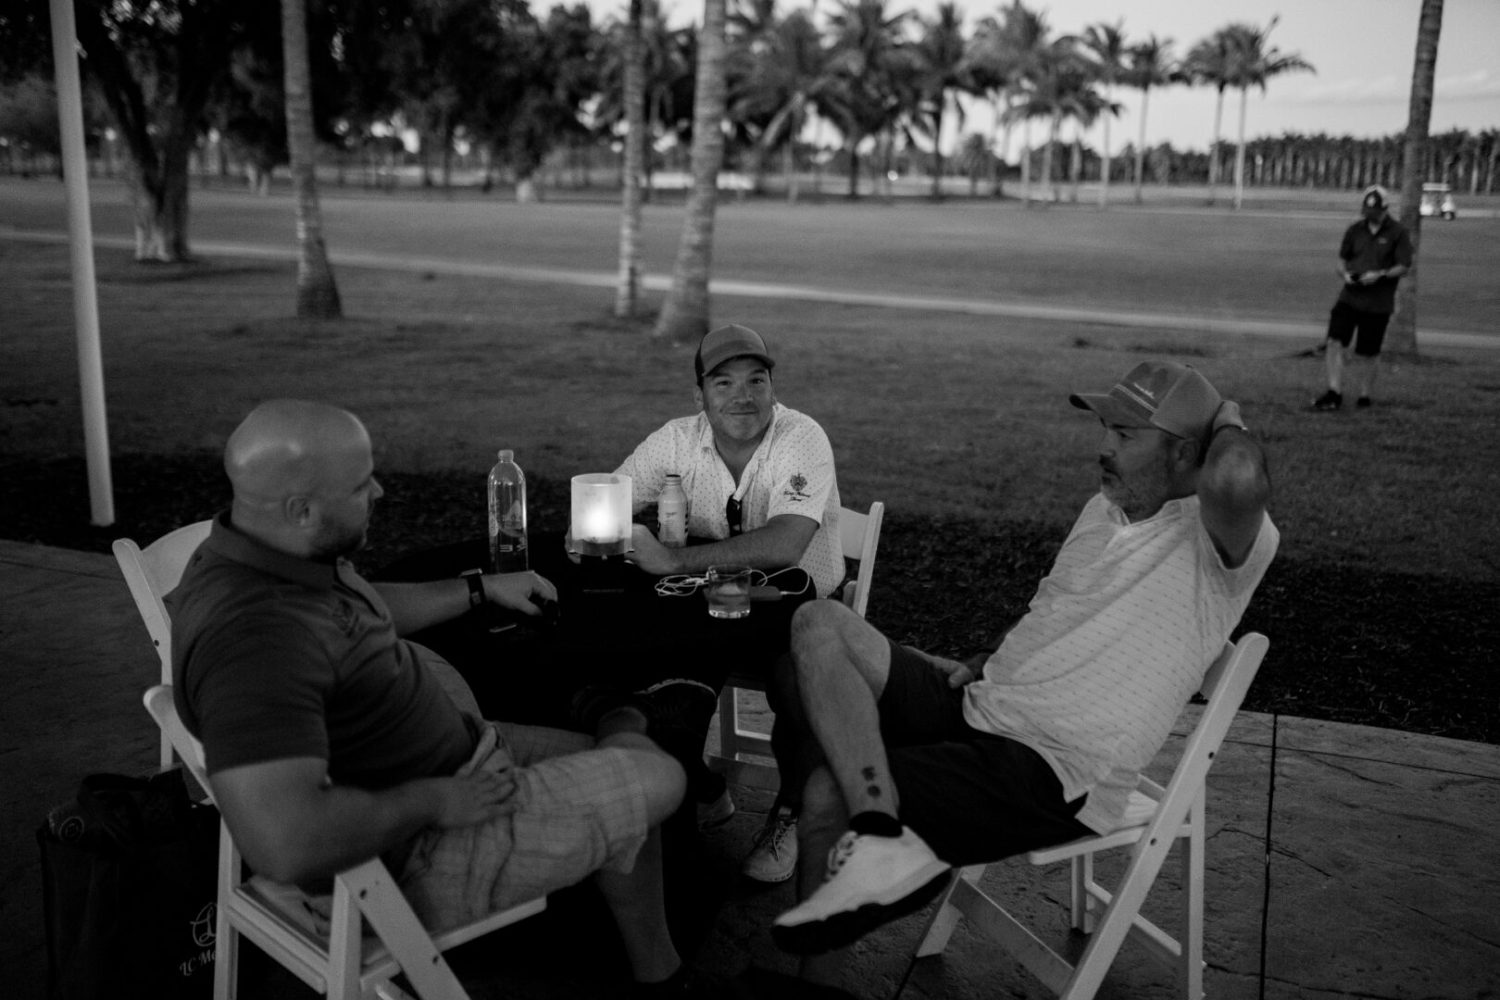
(761, 490)
(915, 765)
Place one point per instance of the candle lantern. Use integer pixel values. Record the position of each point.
(601, 515)
(600, 530)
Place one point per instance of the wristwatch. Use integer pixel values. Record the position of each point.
(475, 577)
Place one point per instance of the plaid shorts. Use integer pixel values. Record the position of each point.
(579, 810)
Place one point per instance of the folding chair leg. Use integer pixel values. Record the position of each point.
(945, 916)
(227, 949)
(728, 721)
(1190, 971)
(381, 903)
(1082, 904)
(344, 945)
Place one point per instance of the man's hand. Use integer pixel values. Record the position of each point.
(518, 591)
(650, 555)
(958, 674)
(1370, 277)
(471, 799)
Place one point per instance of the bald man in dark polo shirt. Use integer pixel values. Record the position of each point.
(330, 740)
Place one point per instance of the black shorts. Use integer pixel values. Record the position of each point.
(1345, 320)
(974, 797)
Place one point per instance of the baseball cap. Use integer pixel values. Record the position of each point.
(1161, 394)
(727, 343)
(1374, 197)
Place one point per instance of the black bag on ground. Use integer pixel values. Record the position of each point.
(128, 886)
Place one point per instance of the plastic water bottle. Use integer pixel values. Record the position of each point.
(507, 506)
(671, 513)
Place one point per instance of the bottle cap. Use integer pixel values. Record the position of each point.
(506, 455)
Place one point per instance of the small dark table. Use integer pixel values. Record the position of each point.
(526, 669)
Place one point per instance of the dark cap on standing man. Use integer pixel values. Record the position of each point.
(727, 343)
(1162, 394)
(1374, 197)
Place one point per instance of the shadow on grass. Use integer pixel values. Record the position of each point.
(1398, 650)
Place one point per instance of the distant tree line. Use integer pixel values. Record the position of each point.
(512, 90)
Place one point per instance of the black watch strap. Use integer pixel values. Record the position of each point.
(475, 577)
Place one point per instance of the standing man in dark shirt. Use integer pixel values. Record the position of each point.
(1375, 253)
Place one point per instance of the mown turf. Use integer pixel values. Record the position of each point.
(1400, 650)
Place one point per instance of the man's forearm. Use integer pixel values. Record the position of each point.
(415, 606)
(772, 546)
(316, 835)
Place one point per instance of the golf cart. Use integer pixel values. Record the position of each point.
(1437, 199)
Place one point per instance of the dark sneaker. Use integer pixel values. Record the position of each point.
(679, 707)
(773, 856)
(1362, 402)
(1330, 400)
(714, 814)
(593, 703)
(871, 880)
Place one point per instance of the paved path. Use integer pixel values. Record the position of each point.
(1342, 861)
(1311, 333)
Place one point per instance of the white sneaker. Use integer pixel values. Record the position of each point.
(773, 856)
(871, 880)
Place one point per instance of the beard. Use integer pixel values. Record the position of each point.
(1140, 495)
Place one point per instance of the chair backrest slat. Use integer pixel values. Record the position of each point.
(859, 536)
(151, 573)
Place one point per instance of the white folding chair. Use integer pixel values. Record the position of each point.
(858, 533)
(1157, 817)
(151, 573)
(340, 962)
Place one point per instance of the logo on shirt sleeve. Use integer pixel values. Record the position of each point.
(797, 488)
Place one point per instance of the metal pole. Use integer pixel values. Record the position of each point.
(81, 243)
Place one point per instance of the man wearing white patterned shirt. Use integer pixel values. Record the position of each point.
(914, 765)
(760, 485)
(758, 476)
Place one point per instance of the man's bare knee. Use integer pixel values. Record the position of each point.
(827, 635)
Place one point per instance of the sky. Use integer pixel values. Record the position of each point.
(1363, 52)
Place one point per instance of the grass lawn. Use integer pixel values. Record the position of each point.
(1380, 607)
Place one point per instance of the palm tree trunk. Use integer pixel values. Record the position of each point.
(1104, 164)
(995, 164)
(1026, 162)
(1075, 165)
(317, 292)
(684, 317)
(1056, 195)
(628, 282)
(1213, 152)
(1239, 153)
(789, 169)
(1140, 148)
(1401, 339)
(937, 148)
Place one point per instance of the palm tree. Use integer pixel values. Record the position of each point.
(866, 65)
(317, 292)
(1004, 57)
(1106, 42)
(1058, 85)
(785, 81)
(1257, 62)
(942, 67)
(1214, 61)
(1403, 329)
(684, 316)
(628, 288)
(1151, 65)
